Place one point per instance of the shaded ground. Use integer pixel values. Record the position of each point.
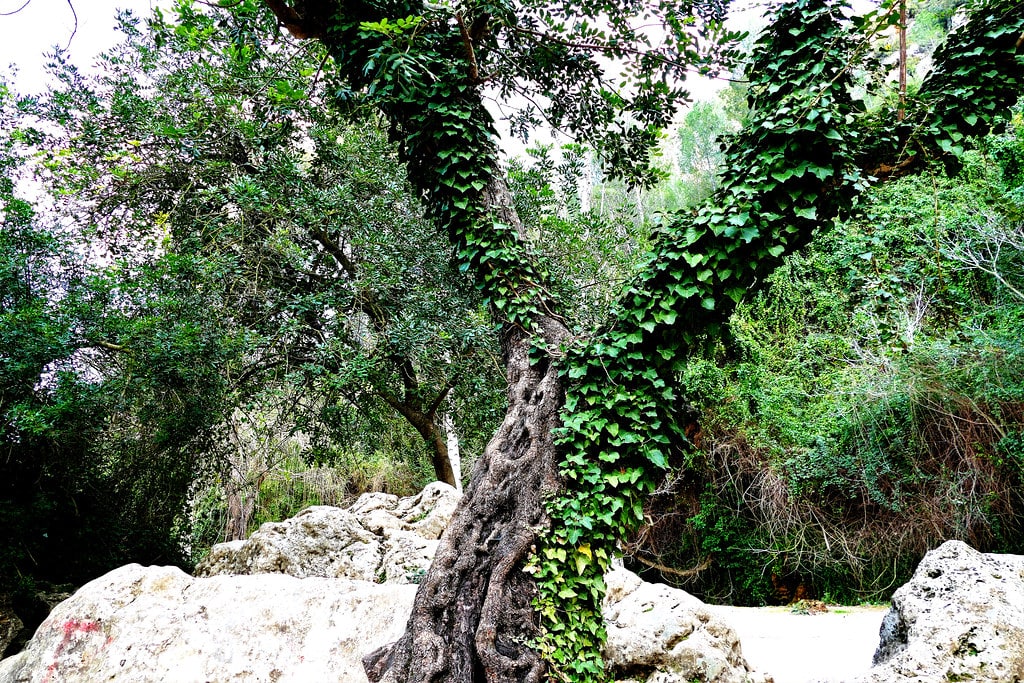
(801, 648)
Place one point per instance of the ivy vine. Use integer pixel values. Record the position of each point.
(794, 168)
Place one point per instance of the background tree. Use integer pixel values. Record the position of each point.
(221, 255)
(93, 475)
(200, 137)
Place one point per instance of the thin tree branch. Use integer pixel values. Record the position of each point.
(675, 572)
(75, 29)
(432, 409)
(11, 14)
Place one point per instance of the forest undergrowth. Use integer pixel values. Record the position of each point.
(867, 407)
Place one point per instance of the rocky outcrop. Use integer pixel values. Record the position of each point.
(960, 618)
(658, 634)
(381, 538)
(284, 606)
(10, 624)
(155, 624)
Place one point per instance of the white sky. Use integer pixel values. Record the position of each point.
(35, 30)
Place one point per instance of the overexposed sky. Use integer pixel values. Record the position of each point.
(42, 24)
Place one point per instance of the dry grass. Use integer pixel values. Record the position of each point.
(859, 537)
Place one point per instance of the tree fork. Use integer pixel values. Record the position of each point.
(473, 618)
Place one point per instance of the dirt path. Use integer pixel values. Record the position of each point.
(800, 648)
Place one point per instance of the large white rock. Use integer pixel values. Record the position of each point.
(660, 634)
(158, 624)
(282, 606)
(379, 538)
(960, 618)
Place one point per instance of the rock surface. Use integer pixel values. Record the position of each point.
(659, 634)
(380, 538)
(273, 609)
(960, 618)
(150, 624)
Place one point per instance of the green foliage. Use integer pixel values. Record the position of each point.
(96, 468)
(700, 152)
(866, 407)
(931, 20)
(299, 220)
(791, 169)
(217, 203)
(622, 415)
(591, 234)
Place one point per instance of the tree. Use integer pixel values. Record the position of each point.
(93, 475)
(301, 221)
(203, 211)
(700, 153)
(807, 152)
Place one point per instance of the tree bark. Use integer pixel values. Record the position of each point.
(424, 421)
(452, 442)
(430, 431)
(902, 30)
(473, 616)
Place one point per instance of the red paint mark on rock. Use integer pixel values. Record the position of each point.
(73, 626)
(73, 629)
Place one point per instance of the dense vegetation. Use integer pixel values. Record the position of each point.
(226, 302)
(865, 407)
(221, 302)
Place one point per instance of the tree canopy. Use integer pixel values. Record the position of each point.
(594, 420)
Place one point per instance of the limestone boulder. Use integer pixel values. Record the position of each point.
(659, 634)
(379, 538)
(960, 618)
(156, 624)
(306, 599)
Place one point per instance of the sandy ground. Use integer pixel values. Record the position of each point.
(800, 648)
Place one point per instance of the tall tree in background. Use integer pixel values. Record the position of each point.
(501, 603)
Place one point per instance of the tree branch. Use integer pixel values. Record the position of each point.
(676, 572)
(436, 403)
(296, 24)
(335, 250)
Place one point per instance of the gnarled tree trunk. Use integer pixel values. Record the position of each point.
(473, 614)
(473, 617)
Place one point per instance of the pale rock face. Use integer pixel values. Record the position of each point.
(659, 634)
(960, 618)
(379, 538)
(283, 606)
(158, 624)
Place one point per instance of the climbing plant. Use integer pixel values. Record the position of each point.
(791, 168)
(794, 167)
(806, 153)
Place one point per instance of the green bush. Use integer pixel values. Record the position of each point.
(867, 407)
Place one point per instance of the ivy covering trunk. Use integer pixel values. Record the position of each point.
(515, 591)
